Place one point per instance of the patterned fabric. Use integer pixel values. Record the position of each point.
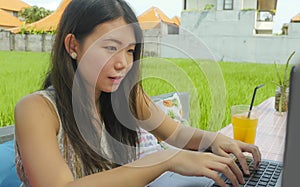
(171, 105)
(148, 144)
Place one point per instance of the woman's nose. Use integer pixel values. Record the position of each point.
(121, 60)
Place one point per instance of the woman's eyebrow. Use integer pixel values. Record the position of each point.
(118, 41)
(113, 40)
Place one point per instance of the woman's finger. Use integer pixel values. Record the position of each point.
(237, 151)
(253, 149)
(243, 162)
(228, 167)
(235, 169)
(228, 171)
(221, 152)
(214, 176)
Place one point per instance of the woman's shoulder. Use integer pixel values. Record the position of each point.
(34, 101)
(35, 106)
(38, 100)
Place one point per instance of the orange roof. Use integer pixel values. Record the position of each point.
(152, 18)
(296, 18)
(13, 5)
(48, 23)
(176, 20)
(7, 20)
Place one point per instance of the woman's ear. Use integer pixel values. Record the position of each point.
(71, 45)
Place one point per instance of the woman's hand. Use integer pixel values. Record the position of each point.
(192, 163)
(224, 145)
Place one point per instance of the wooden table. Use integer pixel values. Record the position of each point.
(270, 133)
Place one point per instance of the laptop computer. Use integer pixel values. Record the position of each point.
(278, 174)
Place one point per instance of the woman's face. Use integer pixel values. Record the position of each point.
(106, 55)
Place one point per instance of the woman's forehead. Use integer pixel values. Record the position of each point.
(117, 30)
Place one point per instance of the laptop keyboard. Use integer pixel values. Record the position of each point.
(267, 174)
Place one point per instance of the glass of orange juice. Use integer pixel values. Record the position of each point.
(244, 127)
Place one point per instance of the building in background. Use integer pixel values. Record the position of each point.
(8, 21)
(296, 18)
(232, 31)
(155, 24)
(263, 17)
(293, 28)
(9, 10)
(155, 19)
(152, 19)
(48, 23)
(221, 30)
(13, 6)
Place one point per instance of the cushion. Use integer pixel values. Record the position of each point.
(176, 104)
(11, 179)
(172, 105)
(7, 164)
(148, 144)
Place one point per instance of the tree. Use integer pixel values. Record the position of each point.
(33, 14)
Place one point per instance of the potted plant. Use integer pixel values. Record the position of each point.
(283, 80)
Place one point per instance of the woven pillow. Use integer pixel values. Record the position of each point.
(171, 104)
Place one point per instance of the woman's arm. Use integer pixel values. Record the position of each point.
(195, 139)
(190, 138)
(36, 129)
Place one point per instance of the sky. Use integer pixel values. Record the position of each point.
(286, 9)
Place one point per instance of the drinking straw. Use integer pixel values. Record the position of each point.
(253, 97)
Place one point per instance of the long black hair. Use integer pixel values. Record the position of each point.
(80, 18)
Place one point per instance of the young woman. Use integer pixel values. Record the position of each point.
(82, 129)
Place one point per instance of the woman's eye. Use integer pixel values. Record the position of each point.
(131, 51)
(111, 48)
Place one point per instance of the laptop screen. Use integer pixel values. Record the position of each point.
(292, 151)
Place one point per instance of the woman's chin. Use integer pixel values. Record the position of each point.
(110, 89)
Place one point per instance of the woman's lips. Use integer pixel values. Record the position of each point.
(116, 79)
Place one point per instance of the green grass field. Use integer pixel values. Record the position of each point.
(20, 74)
(213, 87)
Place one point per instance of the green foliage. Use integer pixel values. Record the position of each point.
(192, 10)
(33, 30)
(283, 78)
(273, 11)
(33, 14)
(248, 9)
(209, 7)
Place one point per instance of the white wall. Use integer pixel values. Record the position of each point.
(218, 23)
(249, 4)
(200, 4)
(258, 49)
(22, 42)
(218, 4)
(229, 37)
